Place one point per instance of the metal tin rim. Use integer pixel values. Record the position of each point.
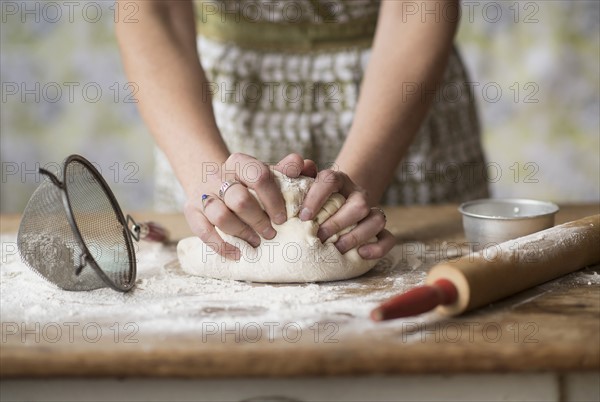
(520, 201)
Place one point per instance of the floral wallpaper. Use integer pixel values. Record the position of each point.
(542, 132)
(535, 67)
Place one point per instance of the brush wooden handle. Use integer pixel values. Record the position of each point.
(152, 231)
(500, 271)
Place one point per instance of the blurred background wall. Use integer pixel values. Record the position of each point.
(535, 67)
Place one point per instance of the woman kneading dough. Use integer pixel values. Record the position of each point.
(280, 126)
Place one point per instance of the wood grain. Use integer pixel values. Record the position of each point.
(548, 328)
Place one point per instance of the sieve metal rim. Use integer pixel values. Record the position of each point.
(119, 215)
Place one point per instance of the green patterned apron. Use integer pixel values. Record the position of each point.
(287, 80)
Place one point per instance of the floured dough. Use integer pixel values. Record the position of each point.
(295, 254)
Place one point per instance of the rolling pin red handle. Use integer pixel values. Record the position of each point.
(417, 301)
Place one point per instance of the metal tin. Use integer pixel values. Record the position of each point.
(493, 221)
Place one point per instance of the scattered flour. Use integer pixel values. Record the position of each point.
(48, 255)
(534, 247)
(166, 300)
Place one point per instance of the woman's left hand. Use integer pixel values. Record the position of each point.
(370, 222)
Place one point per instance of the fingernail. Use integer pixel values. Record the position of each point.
(341, 246)
(280, 218)
(254, 240)
(305, 214)
(365, 253)
(269, 233)
(322, 234)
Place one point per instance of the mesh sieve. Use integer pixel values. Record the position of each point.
(74, 234)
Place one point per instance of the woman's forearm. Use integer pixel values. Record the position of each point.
(407, 50)
(160, 56)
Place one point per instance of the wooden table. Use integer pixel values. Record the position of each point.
(546, 337)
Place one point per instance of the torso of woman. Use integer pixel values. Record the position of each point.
(285, 76)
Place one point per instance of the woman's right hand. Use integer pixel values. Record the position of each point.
(238, 213)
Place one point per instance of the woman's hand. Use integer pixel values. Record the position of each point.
(237, 212)
(370, 222)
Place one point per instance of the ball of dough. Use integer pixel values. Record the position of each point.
(295, 254)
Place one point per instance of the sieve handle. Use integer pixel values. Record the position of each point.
(149, 231)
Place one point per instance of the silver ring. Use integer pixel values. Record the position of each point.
(226, 185)
(382, 212)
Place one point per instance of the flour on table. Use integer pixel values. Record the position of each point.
(54, 260)
(294, 255)
(167, 301)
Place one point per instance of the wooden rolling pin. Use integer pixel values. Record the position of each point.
(480, 278)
